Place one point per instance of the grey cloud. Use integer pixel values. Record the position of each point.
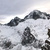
(10, 7)
(13, 7)
(2, 17)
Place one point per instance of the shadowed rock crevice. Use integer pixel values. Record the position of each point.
(47, 42)
(46, 46)
(28, 38)
(7, 45)
(15, 21)
(48, 32)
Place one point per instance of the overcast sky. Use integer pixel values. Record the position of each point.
(11, 8)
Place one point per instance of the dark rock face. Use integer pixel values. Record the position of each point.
(47, 15)
(11, 23)
(47, 42)
(46, 46)
(37, 14)
(28, 38)
(14, 22)
(48, 32)
(26, 17)
(7, 44)
(22, 20)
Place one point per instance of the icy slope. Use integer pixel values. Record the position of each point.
(13, 35)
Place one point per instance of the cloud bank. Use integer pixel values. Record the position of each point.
(18, 7)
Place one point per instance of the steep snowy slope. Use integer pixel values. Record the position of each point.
(14, 35)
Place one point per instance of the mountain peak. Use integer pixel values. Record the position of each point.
(36, 14)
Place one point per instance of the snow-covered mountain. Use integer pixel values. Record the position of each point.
(15, 21)
(27, 33)
(36, 14)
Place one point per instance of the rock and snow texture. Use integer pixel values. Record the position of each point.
(14, 35)
(15, 21)
(30, 33)
(36, 14)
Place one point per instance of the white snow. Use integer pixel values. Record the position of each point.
(39, 29)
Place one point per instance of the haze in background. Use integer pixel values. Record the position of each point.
(20, 8)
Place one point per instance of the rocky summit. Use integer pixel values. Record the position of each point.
(14, 22)
(36, 14)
